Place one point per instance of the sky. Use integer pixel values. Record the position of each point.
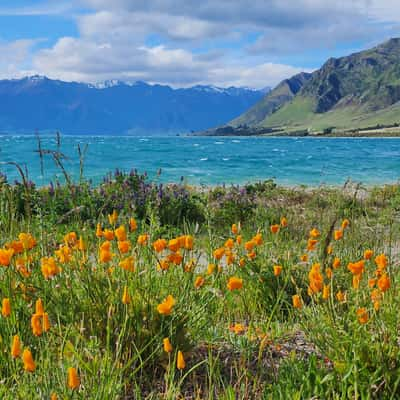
(253, 43)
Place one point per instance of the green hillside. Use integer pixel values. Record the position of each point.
(358, 91)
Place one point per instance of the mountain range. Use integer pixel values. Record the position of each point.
(41, 104)
(356, 92)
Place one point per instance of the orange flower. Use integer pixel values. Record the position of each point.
(159, 245)
(345, 223)
(165, 308)
(377, 304)
(29, 364)
(238, 329)
(120, 233)
(167, 345)
(108, 234)
(274, 228)
(5, 257)
(340, 296)
(356, 268)
(16, 245)
(284, 222)
(362, 315)
(73, 379)
(329, 250)
(127, 264)
(36, 324)
(199, 282)
(175, 258)
(257, 239)
(219, 253)
(242, 262)
(325, 292)
(297, 303)
(249, 246)
(112, 218)
(338, 234)
(49, 267)
(372, 282)
(381, 261)
(336, 263)
(229, 243)
(142, 239)
(126, 298)
(356, 281)
(124, 246)
(314, 233)
(163, 265)
(277, 270)
(368, 254)
(189, 242)
(329, 273)
(132, 224)
(234, 283)
(99, 231)
(239, 239)
(173, 245)
(304, 258)
(46, 322)
(376, 295)
(235, 229)
(53, 396)
(384, 283)
(39, 309)
(16, 347)
(105, 256)
(180, 361)
(70, 239)
(210, 269)
(311, 243)
(6, 307)
(315, 278)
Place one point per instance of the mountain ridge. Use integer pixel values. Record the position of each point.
(115, 107)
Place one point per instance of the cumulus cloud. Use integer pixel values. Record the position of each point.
(222, 42)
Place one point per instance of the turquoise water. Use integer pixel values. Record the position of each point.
(205, 160)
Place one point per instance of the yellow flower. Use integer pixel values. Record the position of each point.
(167, 345)
(73, 378)
(6, 307)
(165, 308)
(16, 347)
(126, 298)
(29, 364)
(112, 218)
(180, 361)
(234, 283)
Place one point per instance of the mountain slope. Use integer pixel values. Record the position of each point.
(357, 91)
(113, 107)
(283, 93)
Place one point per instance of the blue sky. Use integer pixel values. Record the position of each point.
(186, 42)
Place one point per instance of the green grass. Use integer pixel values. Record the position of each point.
(318, 351)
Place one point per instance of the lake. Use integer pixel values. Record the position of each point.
(213, 160)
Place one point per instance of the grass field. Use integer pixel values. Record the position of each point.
(133, 290)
